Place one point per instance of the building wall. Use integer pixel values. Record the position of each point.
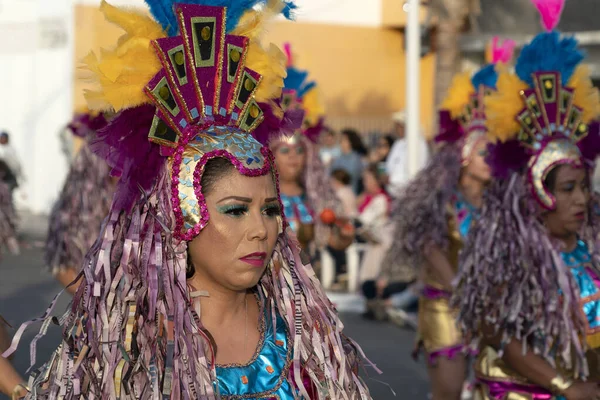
(360, 69)
(37, 73)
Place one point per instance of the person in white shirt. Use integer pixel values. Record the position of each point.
(397, 160)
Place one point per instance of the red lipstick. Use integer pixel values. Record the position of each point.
(580, 216)
(255, 259)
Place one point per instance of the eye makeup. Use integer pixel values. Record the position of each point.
(234, 210)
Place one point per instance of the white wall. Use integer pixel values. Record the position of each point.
(343, 12)
(36, 40)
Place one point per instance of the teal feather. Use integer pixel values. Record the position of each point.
(549, 52)
(162, 10)
(486, 76)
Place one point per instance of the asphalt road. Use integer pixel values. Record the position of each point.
(26, 289)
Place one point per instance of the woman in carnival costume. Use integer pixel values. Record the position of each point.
(434, 216)
(84, 202)
(306, 189)
(529, 287)
(304, 182)
(194, 289)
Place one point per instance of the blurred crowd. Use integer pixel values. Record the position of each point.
(367, 179)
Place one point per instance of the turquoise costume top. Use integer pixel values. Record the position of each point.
(579, 262)
(296, 211)
(265, 376)
(465, 213)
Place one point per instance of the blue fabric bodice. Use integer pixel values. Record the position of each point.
(296, 211)
(465, 214)
(579, 263)
(266, 375)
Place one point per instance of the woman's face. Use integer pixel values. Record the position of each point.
(290, 160)
(383, 148)
(370, 182)
(477, 167)
(345, 145)
(233, 250)
(572, 193)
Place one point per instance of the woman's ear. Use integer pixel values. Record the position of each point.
(190, 270)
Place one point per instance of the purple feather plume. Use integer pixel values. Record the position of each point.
(312, 133)
(420, 212)
(273, 127)
(125, 146)
(507, 157)
(83, 124)
(450, 129)
(590, 145)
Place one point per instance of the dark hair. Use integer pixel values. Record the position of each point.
(389, 139)
(550, 180)
(342, 176)
(215, 169)
(356, 142)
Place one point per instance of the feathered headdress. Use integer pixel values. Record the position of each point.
(422, 218)
(462, 115)
(246, 77)
(301, 94)
(548, 106)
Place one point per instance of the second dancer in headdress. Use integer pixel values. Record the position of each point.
(529, 290)
(433, 216)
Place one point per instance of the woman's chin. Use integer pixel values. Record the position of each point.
(246, 280)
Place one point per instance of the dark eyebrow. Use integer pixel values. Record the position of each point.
(245, 199)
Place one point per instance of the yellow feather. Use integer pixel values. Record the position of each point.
(252, 24)
(459, 94)
(502, 107)
(312, 103)
(267, 61)
(120, 74)
(585, 94)
(270, 63)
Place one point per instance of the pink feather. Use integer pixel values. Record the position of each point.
(287, 47)
(502, 52)
(550, 11)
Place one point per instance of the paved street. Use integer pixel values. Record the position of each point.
(26, 289)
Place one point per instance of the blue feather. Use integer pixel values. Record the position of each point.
(162, 10)
(296, 80)
(486, 76)
(548, 52)
(288, 10)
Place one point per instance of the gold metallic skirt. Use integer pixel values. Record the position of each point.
(438, 333)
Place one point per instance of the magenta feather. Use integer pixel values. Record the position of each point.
(550, 12)
(450, 130)
(125, 146)
(590, 145)
(507, 157)
(312, 133)
(274, 127)
(83, 124)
